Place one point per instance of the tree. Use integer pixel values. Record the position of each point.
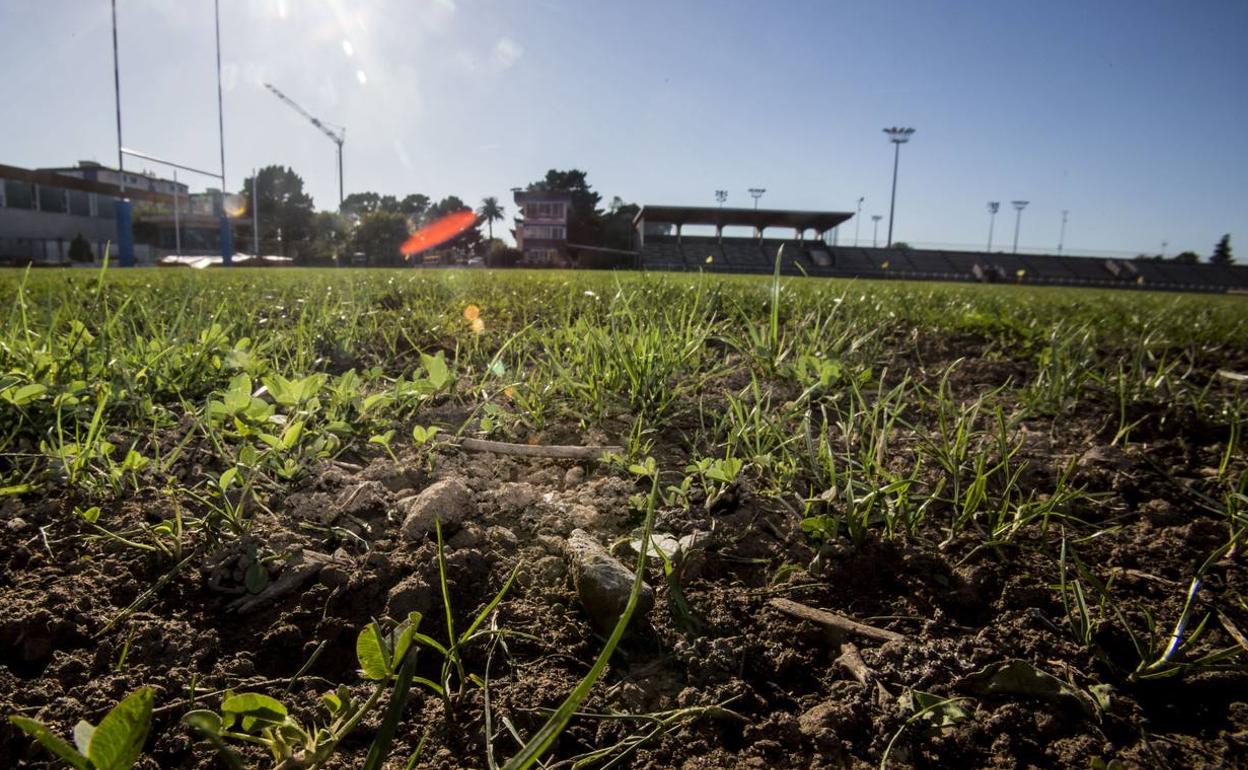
(491, 212)
(359, 204)
(584, 218)
(499, 254)
(330, 234)
(451, 204)
(286, 211)
(1222, 252)
(617, 225)
(1187, 258)
(80, 250)
(414, 207)
(379, 235)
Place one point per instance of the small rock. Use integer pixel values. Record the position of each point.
(469, 536)
(586, 517)
(514, 496)
(412, 594)
(502, 538)
(602, 583)
(333, 575)
(819, 718)
(16, 524)
(448, 501)
(1161, 512)
(368, 498)
(549, 570)
(395, 478)
(551, 544)
(574, 476)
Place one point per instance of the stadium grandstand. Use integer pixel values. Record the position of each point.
(661, 244)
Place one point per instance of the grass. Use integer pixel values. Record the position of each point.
(828, 397)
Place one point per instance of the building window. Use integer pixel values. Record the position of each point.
(104, 206)
(51, 199)
(546, 232)
(18, 195)
(545, 210)
(79, 203)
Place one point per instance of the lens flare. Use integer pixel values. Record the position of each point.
(439, 232)
(233, 205)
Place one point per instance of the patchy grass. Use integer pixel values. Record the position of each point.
(1045, 481)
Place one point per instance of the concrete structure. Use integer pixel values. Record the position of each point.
(95, 172)
(800, 222)
(42, 211)
(542, 229)
(816, 258)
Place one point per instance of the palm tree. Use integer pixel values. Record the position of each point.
(490, 211)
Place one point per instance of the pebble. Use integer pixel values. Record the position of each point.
(448, 501)
(602, 583)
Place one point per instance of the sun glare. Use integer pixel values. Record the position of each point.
(438, 232)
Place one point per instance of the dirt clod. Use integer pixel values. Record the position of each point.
(448, 501)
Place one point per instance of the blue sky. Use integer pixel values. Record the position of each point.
(1128, 114)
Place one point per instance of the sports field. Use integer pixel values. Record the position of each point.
(888, 524)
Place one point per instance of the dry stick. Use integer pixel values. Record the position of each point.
(298, 569)
(852, 662)
(1233, 630)
(830, 621)
(147, 595)
(537, 450)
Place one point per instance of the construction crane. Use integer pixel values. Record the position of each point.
(338, 136)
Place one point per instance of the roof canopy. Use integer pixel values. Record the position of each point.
(725, 217)
(53, 179)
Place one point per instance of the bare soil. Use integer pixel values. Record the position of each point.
(69, 649)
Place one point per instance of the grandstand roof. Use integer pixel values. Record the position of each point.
(724, 217)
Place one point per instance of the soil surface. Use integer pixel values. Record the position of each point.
(84, 619)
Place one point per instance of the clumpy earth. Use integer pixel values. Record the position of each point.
(987, 670)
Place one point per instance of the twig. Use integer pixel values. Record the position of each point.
(830, 621)
(245, 684)
(854, 665)
(147, 595)
(303, 565)
(537, 450)
(1233, 630)
(1141, 575)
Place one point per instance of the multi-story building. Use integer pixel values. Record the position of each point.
(134, 180)
(542, 227)
(42, 211)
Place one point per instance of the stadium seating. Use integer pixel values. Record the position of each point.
(750, 255)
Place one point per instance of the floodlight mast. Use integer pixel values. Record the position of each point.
(1061, 239)
(875, 230)
(721, 196)
(757, 192)
(898, 136)
(338, 137)
(1018, 219)
(993, 208)
(858, 220)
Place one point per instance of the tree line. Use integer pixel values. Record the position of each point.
(376, 225)
(1221, 255)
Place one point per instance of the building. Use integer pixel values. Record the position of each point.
(542, 227)
(42, 212)
(95, 172)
